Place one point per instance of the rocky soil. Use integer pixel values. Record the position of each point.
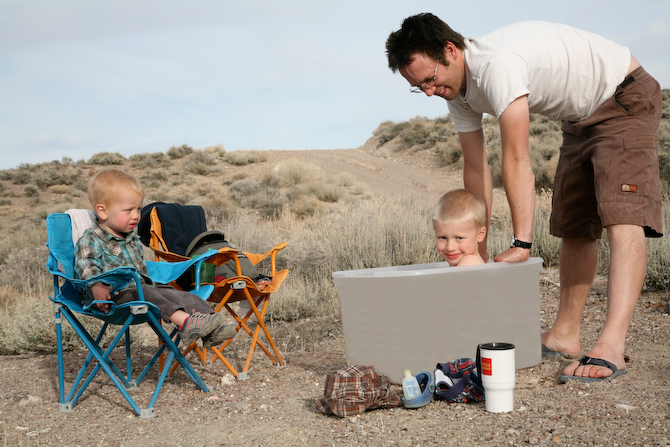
(275, 407)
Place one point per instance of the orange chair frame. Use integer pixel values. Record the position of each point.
(230, 290)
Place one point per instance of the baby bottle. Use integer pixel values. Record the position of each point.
(410, 386)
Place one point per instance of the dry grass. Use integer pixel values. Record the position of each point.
(330, 224)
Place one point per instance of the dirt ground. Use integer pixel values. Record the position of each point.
(275, 407)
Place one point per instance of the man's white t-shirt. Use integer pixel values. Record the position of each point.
(567, 73)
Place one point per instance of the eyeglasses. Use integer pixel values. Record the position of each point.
(422, 88)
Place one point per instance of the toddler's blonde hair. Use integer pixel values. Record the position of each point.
(104, 184)
(459, 205)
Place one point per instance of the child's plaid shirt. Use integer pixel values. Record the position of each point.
(98, 251)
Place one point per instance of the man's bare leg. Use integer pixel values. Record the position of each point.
(578, 263)
(628, 267)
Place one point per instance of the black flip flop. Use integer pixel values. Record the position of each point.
(586, 360)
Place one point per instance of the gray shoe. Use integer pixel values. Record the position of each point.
(219, 335)
(200, 325)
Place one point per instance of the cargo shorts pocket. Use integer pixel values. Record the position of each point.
(638, 178)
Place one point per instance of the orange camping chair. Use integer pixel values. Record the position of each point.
(159, 220)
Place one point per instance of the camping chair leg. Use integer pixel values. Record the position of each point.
(129, 363)
(102, 362)
(62, 405)
(244, 374)
(255, 341)
(174, 353)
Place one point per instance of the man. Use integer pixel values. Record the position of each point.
(607, 174)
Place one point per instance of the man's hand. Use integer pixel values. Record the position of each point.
(516, 254)
(101, 292)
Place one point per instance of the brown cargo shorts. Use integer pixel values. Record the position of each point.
(607, 172)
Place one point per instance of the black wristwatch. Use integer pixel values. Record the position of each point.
(517, 243)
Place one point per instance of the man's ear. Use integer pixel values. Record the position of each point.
(450, 52)
(482, 234)
(101, 211)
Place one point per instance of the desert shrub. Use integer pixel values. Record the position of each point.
(31, 190)
(244, 188)
(179, 151)
(295, 171)
(241, 158)
(50, 174)
(250, 193)
(416, 135)
(152, 160)
(22, 175)
(199, 163)
(360, 189)
(5, 202)
(44, 175)
(449, 152)
(107, 158)
(154, 178)
(325, 192)
(304, 207)
(388, 130)
(60, 189)
(24, 269)
(346, 179)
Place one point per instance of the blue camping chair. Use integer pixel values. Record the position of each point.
(68, 303)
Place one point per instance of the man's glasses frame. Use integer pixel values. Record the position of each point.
(428, 84)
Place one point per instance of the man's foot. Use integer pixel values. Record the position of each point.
(556, 355)
(219, 335)
(557, 347)
(592, 361)
(199, 325)
(600, 369)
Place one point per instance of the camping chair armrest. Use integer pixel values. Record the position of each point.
(272, 253)
(167, 272)
(168, 256)
(117, 278)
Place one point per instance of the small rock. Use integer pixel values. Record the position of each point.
(293, 404)
(241, 406)
(228, 379)
(626, 407)
(29, 400)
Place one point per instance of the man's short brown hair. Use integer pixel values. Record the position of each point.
(422, 33)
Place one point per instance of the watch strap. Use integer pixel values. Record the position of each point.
(521, 244)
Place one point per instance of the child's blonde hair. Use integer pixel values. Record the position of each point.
(103, 186)
(460, 205)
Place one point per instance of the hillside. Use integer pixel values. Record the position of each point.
(336, 209)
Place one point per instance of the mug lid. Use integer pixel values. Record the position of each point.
(496, 346)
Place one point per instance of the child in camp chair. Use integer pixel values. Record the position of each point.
(459, 221)
(117, 198)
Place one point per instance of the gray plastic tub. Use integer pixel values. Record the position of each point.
(415, 316)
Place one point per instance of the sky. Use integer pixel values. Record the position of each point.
(79, 77)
